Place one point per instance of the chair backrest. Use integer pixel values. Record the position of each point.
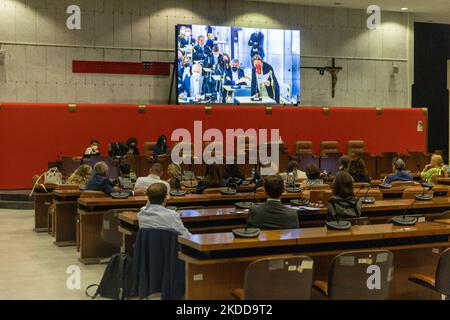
(92, 194)
(355, 146)
(361, 275)
(357, 185)
(442, 284)
(409, 193)
(303, 147)
(147, 148)
(376, 193)
(287, 278)
(110, 233)
(404, 183)
(323, 196)
(316, 186)
(329, 147)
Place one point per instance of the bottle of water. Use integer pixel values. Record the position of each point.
(253, 173)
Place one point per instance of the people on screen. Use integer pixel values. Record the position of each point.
(273, 214)
(235, 75)
(92, 150)
(154, 176)
(81, 175)
(256, 43)
(434, 168)
(185, 38)
(210, 36)
(213, 178)
(202, 53)
(161, 148)
(400, 174)
(196, 83)
(358, 170)
(155, 215)
(264, 81)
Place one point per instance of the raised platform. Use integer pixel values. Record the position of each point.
(16, 199)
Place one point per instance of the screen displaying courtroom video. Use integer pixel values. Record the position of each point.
(232, 65)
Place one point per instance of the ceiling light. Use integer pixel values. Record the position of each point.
(404, 9)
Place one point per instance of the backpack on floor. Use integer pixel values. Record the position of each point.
(117, 281)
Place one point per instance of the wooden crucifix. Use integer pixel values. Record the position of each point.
(333, 70)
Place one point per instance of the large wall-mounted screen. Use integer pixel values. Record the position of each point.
(232, 65)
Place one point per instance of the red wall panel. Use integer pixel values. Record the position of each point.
(31, 134)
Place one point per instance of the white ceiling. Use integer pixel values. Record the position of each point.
(436, 10)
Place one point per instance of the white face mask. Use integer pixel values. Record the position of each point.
(196, 74)
(188, 34)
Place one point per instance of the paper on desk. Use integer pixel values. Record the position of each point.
(304, 208)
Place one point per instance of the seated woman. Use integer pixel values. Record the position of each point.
(81, 175)
(92, 150)
(434, 168)
(313, 175)
(127, 177)
(161, 148)
(358, 170)
(343, 204)
(232, 172)
(400, 174)
(293, 170)
(176, 175)
(132, 146)
(213, 179)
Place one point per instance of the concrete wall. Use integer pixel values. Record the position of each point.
(40, 48)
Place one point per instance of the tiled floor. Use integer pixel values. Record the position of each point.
(32, 267)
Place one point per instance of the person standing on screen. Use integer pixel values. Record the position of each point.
(210, 36)
(235, 75)
(202, 53)
(196, 89)
(256, 43)
(184, 77)
(264, 81)
(187, 39)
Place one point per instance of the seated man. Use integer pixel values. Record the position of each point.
(235, 75)
(155, 175)
(100, 181)
(156, 216)
(400, 174)
(273, 214)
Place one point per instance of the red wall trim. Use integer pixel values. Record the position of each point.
(31, 134)
(148, 68)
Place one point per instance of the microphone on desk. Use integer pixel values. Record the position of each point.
(248, 204)
(293, 188)
(229, 191)
(366, 199)
(403, 220)
(246, 232)
(191, 181)
(178, 192)
(424, 196)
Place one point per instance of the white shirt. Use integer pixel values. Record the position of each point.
(145, 182)
(155, 216)
(235, 76)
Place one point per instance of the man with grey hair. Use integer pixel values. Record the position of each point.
(100, 180)
(400, 174)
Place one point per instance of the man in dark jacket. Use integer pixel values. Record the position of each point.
(256, 42)
(273, 214)
(264, 81)
(100, 181)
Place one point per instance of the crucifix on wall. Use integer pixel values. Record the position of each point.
(333, 70)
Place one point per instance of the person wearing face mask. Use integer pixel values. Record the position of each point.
(181, 35)
(256, 43)
(264, 81)
(235, 75)
(161, 147)
(202, 53)
(92, 150)
(216, 56)
(187, 39)
(132, 146)
(196, 85)
(210, 36)
(184, 77)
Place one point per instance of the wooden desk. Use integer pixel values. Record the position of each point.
(66, 202)
(397, 191)
(41, 200)
(207, 255)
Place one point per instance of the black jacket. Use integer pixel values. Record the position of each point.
(156, 264)
(272, 215)
(274, 89)
(342, 209)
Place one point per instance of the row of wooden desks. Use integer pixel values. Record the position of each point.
(207, 256)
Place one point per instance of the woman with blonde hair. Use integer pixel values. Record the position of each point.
(175, 173)
(81, 175)
(436, 167)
